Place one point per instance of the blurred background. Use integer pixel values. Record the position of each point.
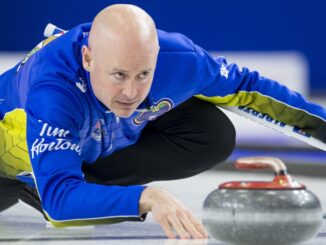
(282, 39)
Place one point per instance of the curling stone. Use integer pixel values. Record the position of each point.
(282, 211)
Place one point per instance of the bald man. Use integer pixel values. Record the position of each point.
(91, 115)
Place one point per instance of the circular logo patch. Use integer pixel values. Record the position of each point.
(163, 106)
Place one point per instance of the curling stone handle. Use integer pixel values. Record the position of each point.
(253, 163)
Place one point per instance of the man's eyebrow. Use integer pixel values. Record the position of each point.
(148, 70)
(119, 70)
(125, 71)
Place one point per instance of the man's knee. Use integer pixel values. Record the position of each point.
(216, 139)
(221, 140)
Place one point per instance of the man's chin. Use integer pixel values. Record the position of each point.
(124, 113)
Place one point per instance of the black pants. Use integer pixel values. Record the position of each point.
(10, 191)
(188, 140)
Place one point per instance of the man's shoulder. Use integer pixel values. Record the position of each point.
(57, 60)
(54, 101)
(57, 93)
(174, 42)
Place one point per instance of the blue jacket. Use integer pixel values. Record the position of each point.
(51, 121)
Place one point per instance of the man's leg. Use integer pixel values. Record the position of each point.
(10, 191)
(188, 140)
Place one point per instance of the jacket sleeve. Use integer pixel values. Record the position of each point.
(54, 117)
(227, 85)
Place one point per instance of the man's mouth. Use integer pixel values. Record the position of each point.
(126, 103)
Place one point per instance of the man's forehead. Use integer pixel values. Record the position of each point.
(125, 49)
(119, 57)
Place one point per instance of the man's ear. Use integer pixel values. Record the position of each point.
(87, 58)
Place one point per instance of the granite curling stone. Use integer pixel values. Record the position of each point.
(254, 213)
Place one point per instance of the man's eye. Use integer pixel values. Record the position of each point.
(143, 75)
(119, 75)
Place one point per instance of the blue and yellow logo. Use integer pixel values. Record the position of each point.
(163, 106)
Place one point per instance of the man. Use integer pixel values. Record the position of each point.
(95, 113)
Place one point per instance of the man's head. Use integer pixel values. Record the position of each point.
(121, 57)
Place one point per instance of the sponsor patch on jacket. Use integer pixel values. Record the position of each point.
(97, 131)
(59, 142)
(161, 107)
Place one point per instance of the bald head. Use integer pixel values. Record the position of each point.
(123, 24)
(121, 57)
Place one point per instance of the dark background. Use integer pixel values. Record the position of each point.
(222, 25)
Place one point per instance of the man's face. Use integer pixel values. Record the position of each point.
(121, 77)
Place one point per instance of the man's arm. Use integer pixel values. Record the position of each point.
(53, 120)
(226, 85)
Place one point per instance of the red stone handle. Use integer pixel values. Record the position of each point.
(281, 181)
(253, 163)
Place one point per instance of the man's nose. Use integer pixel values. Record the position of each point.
(129, 90)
